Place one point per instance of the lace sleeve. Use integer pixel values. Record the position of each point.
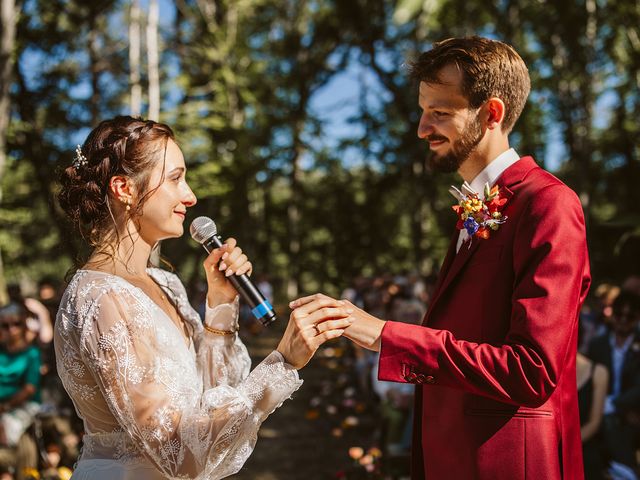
(157, 395)
(223, 359)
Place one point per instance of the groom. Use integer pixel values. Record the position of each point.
(494, 359)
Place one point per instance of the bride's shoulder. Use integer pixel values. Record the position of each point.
(91, 287)
(89, 293)
(93, 283)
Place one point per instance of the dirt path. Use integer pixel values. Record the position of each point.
(309, 437)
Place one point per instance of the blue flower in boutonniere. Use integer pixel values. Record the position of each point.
(471, 225)
(479, 217)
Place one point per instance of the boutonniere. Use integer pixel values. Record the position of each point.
(635, 346)
(479, 217)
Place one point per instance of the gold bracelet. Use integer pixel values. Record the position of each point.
(215, 331)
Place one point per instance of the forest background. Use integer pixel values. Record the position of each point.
(298, 124)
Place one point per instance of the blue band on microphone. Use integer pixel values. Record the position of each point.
(261, 310)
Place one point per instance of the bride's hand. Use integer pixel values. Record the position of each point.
(310, 325)
(219, 265)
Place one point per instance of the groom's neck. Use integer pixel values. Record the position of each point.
(483, 155)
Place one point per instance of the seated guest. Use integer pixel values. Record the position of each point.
(39, 324)
(596, 314)
(19, 375)
(593, 382)
(619, 351)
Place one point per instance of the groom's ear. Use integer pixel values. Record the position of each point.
(494, 111)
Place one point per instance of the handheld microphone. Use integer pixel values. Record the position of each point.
(204, 231)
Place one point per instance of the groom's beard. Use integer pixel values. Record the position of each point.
(460, 149)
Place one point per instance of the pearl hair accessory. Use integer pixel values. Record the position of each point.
(80, 160)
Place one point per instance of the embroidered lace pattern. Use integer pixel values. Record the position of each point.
(194, 410)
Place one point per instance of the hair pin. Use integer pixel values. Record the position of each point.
(80, 160)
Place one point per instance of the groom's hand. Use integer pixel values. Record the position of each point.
(365, 329)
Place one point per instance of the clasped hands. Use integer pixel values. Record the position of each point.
(318, 318)
(314, 319)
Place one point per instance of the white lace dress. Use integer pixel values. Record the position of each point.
(153, 406)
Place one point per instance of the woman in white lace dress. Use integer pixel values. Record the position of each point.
(162, 394)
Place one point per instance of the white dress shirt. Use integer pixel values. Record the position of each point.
(490, 175)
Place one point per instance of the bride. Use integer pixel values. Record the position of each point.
(162, 394)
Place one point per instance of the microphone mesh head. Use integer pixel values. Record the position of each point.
(202, 229)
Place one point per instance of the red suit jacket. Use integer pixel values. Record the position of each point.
(495, 357)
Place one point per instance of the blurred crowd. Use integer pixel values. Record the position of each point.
(40, 435)
(403, 298)
(608, 380)
(607, 377)
(39, 431)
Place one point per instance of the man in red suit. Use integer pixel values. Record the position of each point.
(494, 359)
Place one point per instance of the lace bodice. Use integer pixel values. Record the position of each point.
(192, 410)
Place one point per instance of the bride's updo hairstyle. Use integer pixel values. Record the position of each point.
(124, 146)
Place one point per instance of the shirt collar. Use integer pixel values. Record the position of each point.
(494, 169)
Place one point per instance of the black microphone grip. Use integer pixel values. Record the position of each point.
(261, 308)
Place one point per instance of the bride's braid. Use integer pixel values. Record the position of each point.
(122, 146)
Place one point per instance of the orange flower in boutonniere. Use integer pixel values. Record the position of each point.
(479, 217)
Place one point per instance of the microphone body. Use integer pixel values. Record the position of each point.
(261, 308)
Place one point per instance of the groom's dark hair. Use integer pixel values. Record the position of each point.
(489, 69)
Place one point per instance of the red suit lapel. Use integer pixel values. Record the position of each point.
(454, 262)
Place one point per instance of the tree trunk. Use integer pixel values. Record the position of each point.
(134, 59)
(33, 150)
(293, 214)
(94, 59)
(152, 60)
(154, 86)
(8, 23)
(293, 211)
(265, 248)
(9, 14)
